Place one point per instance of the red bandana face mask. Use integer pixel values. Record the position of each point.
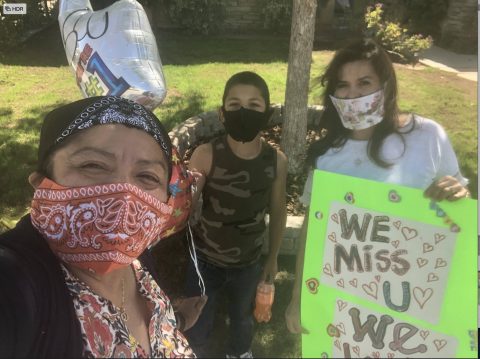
(105, 227)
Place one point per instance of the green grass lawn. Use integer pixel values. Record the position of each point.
(35, 79)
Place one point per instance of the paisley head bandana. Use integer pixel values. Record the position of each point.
(72, 118)
(361, 112)
(105, 227)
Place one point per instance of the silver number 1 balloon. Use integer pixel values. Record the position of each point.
(112, 51)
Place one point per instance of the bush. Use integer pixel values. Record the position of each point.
(277, 15)
(11, 29)
(419, 16)
(393, 37)
(203, 16)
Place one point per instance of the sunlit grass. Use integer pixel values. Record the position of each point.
(196, 69)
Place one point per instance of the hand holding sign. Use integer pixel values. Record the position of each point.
(112, 51)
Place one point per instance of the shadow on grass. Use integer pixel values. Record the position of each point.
(5, 111)
(271, 340)
(45, 48)
(470, 172)
(18, 158)
(177, 109)
(178, 49)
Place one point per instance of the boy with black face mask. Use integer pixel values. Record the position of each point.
(243, 179)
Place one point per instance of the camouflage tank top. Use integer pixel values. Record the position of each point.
(236, 197)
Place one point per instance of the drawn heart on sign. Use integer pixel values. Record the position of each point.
(371, 289)
(432, 277)
(397, 224)
(390, 355)
(340, 283)
(341, 328)
(394, 196)
(376, 354)
(439, 344)
(422, 262)
(341, 305)
(440, 263)
(440, 212)
(377, 278)
(334, 217)
(338, 344)
(349, 198)
(333, 331)
(356, 350)
(327, 269)
(427, 247)
(439, 237)
(312, 285)
(454, 228)
(353, 282)
(424, 334)
(333, 237)
(422, 296)
(409, 233)
(395, 243)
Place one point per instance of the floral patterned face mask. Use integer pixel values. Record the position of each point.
(105, 227)
(361, 112)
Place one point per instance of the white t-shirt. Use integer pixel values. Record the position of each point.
(426, 156)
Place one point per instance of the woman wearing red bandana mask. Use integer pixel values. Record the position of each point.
(76, 275)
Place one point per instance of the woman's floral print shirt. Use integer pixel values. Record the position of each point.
(105, 334)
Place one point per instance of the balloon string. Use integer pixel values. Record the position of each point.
(193, 255)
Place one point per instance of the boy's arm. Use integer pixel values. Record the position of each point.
(292, 314)
(278, 218)
(200, 164)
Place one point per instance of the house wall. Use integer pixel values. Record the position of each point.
(459, 30)
(243, 15)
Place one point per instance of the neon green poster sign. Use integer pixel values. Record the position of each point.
(388, 273)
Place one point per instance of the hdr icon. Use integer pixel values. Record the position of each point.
(14, 9)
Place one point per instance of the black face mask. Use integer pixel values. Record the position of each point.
(244, 124)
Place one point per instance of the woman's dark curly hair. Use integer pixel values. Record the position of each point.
(335, 135)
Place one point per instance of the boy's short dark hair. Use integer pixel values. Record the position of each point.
(248, 78)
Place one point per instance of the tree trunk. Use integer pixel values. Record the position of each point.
(298, 76)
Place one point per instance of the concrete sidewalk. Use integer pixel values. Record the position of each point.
(465, 66)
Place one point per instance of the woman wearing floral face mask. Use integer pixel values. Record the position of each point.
(76, 275)
(364, 135)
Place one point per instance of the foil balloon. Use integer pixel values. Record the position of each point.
(112, 51)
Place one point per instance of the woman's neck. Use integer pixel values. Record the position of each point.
(246, 150)
(362, 135)
(110, 285)
(404, 120)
